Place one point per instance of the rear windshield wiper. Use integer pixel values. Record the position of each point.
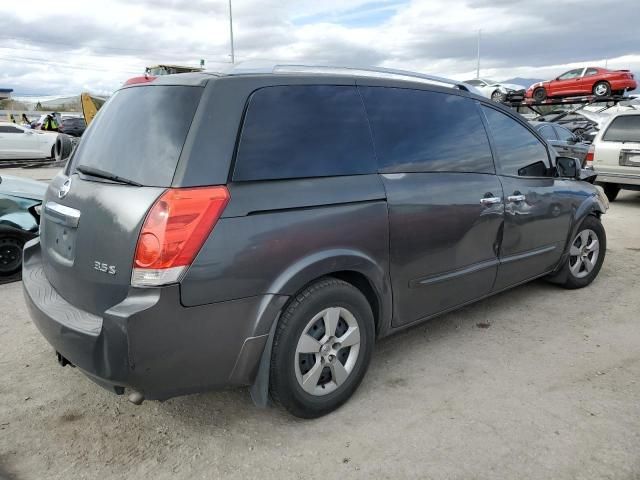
(96, 172)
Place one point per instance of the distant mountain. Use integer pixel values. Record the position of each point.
(525, 82)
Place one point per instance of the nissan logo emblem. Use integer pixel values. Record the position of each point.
(64, 189)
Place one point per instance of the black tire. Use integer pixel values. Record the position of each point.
(602, 89)
(498, 96)
(284, 386)
(10, 254)
(539, 94)
(592, 224)
(611, 190)
(63, 147)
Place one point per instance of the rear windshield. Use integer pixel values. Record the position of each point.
(625, 128)
(139, 133)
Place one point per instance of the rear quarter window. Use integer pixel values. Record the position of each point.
(425, 131)
(139, 133)
(300, 131)
(625, 128)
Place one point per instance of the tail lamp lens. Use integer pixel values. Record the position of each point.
(174, 231)
(590, 155)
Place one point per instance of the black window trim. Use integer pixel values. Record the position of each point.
(494, 150)
(611, 124)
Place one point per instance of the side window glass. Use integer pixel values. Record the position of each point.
(10, 129)
(570, 74)
(564, 134)
(519, 151)
(590, 71)
(547, 132)
(302, 131)
(425, 131)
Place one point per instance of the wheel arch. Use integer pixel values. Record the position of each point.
(354, 267)
(591, 206)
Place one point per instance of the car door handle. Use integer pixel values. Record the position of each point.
(490, 200)
(516, 198)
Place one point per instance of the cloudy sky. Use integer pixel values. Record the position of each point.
(64, 47)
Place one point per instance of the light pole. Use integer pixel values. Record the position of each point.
(478, 66)
(233, 56)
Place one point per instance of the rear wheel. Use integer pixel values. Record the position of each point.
(539, 94)
(602, 89)
(322, 348)
(586, 254)
(10, 254)
(611, 190)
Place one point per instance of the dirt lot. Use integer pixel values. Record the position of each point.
(551, 389)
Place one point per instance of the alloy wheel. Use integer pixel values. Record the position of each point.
(601, 89)
(327, 351)
(584, 253)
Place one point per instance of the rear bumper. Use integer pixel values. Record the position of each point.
(149, 342)
(620, 179)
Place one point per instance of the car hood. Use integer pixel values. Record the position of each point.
(512, 86)
(22, 187)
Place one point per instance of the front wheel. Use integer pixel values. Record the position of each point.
(586, 254)
(539, 94)
(321, 348)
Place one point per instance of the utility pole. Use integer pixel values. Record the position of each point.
(478, 66)
(233, 56)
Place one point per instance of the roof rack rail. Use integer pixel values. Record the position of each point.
(377, 72)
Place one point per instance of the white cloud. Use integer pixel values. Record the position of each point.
(46, 48)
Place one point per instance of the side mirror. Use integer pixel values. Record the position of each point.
(568, 167)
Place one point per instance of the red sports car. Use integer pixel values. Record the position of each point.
(584, 81)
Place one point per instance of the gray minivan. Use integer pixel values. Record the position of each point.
(264, 229)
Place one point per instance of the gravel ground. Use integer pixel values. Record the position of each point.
(550, 389)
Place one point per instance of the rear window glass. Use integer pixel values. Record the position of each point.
(140, 132)
(423, 131)
(625, 128)
(304, 131)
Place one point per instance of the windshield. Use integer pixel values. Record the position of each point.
(139, 133)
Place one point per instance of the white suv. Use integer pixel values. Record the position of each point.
(616, 153)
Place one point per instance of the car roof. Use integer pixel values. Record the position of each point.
(322, 73)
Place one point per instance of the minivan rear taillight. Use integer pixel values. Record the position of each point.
(173, 232)
(588, 159)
